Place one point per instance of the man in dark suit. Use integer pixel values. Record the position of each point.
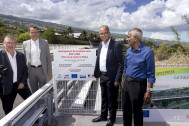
(38, 59)
(15, 79)
(109, 67)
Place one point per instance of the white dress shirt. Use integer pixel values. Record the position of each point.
(13, 65)
(35, 53)
(103, 56)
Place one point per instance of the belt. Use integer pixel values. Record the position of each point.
(36, 66)
(104, 73)
(130, 79)
(14, 83)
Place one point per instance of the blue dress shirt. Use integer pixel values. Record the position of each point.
(140, 64)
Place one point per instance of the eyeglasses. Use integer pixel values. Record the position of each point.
(10, 43)
(34, 32)
(105, 33)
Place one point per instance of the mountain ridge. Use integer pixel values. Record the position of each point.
(20, 22)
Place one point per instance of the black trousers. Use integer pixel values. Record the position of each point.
(109, 98)
(8, 100)
(133, 98)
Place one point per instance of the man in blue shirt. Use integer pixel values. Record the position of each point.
(139, 69)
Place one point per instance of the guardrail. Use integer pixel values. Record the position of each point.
(75, 97)
(81, 97)
(38, 106)
(51, 46)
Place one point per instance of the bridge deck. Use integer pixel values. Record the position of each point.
(85, 120)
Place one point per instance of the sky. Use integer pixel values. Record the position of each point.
(153, 17)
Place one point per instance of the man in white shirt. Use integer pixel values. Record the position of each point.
(109, 67)
(38, 59)
(13, 75)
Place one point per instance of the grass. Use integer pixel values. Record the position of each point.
(181, 60)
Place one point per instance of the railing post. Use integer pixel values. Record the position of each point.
(50, 108)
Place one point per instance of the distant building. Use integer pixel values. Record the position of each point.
(119, 39)
(76, 35)
(126, 45)
(57, 34)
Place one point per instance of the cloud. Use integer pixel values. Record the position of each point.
(162, 36)
(91, 14)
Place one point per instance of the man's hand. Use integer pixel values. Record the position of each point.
(147, 96)
(116, 84)
(0, 76)
(20, 86)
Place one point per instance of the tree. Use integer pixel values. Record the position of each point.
(20, 30)
(69, 31)
(162, 52)
(2, 30)
(2, 24)
(95, 36)
(149, 44)
(23, 37)
(84, 34)
(184, 17)
(177, 34)
(179, 47)
(63, 33)
(49, 34)
(92, 36)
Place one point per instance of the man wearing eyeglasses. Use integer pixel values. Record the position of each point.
(109, 67)
(13, 75)
(38, 59)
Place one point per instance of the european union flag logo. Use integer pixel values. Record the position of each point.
(146, 113)
(82, 76)
(74, 75)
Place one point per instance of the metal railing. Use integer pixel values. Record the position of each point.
(52, 46)
(38, 105)
(75, 97)
(79, 97)
(70, 97)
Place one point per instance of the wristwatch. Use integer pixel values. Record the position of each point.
(149, 89)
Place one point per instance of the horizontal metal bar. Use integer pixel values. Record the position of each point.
(26, 105)
(34, 117)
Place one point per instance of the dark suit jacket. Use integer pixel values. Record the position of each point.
(6, 82)
(114, 61)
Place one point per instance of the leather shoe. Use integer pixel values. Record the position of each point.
(110, 123)
(98, 119)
